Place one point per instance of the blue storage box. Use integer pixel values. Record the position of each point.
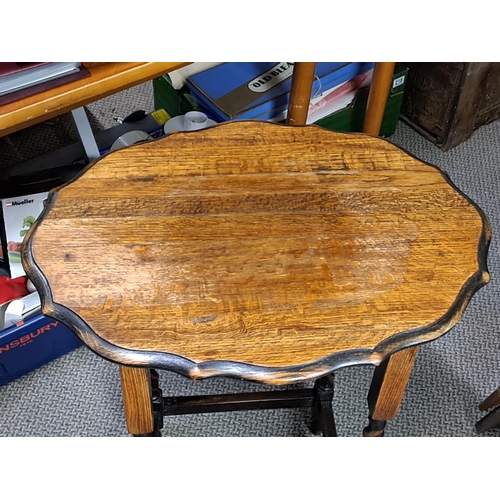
(31, 344)
(260, 90)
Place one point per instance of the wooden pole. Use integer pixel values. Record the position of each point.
(377, 99)
(300, 95)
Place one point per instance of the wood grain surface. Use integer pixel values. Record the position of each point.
(137, 402)
(260, 244)
(389, 384)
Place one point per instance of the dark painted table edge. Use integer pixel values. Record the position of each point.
(263, 374)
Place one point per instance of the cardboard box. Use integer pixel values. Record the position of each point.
(260, 90)
(17, 216)
(31, 344)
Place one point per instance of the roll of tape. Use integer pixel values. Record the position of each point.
(193, 120)
(129, 138)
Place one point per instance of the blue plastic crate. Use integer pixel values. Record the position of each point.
(260, 90)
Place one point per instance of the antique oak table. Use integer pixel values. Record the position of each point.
(266, 252)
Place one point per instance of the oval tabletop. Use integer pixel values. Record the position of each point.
(265, 251)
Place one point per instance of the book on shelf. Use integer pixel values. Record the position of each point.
(16, 76)
(19, 80)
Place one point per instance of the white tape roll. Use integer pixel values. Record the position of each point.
(193, 120)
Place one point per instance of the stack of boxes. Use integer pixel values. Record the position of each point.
(260, 91)
(236, 91)
(28, 339)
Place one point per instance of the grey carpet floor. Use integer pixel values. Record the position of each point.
(79, 394)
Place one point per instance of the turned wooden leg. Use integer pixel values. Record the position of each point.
(490, 421)
(137, 400)
(491, 401)
(323, 421)
(388, 388)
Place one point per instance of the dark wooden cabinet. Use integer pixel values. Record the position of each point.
(446, 102)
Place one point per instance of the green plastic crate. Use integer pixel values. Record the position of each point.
(174, 102)
(351, 119)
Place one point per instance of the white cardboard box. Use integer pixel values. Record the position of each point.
(17, 216)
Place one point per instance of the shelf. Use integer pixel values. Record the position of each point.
(105, 79)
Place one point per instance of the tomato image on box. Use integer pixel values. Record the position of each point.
(18, 214)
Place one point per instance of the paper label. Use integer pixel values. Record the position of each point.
(272, 77)
(398, 81)
(161, 116)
